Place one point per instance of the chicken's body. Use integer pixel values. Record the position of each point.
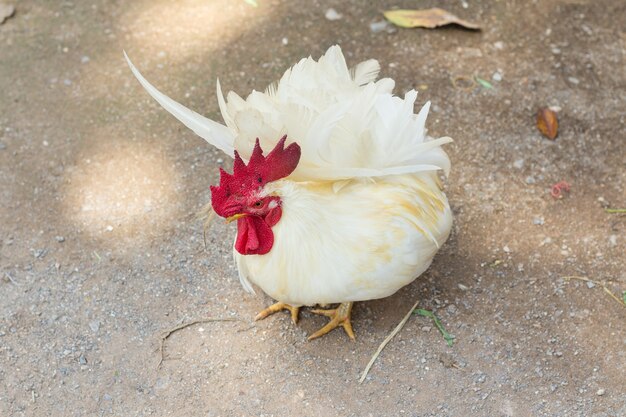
(361, 242)
(352, 210)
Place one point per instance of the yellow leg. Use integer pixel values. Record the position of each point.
(339, 316)
(278, 307)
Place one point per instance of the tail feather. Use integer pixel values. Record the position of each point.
(215, 133)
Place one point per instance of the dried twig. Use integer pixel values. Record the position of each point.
(10, 278)
(601, 284)
(387, 340)
(173, 330)
(616, 211)
(208, 214)
(457, 82)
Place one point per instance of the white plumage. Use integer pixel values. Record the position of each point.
(363, 213)
(364, 242)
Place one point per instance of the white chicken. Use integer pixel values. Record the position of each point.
(350, 210)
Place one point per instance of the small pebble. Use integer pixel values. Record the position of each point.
(94, 326)
(496, 76)
(2, 146)
(107, 397)
(519, 163)
(331, 14)
(285, 41)
(480, 378)
(573, 80)
(613, 240)
(603, 202)
(379, 26)
(530, 179)
(463, 287)
(109, 228)
(84, 59)
(82, 360)
(600, 392)
(67, 81)
(538, 221)
(590, 284)
(499, 45)
(60, 239)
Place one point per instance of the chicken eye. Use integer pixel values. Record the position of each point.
(258, 203)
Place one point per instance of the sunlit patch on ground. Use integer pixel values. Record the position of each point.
(188, 28)
(122, 187)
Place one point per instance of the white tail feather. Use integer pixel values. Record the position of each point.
(215, 133)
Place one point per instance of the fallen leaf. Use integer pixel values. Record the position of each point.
(429, 18)
(547, 123)
(6, 11)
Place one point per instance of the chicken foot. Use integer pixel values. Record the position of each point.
(279, 306)
(339, 316)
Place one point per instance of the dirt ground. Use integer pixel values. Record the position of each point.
(101, 250)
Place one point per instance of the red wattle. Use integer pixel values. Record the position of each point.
(254, 236)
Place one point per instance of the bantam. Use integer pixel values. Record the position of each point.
(347, 205)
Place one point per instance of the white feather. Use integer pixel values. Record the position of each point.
(365, 72)
(216, 134)
(363, 241)
(348, 125)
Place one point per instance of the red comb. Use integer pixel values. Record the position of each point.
(279, 163)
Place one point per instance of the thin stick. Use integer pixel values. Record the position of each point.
(455, 82)
(210, 214)
(604, 287)
(6, 274)
(614, 211)
(387, 340)
(173, 330)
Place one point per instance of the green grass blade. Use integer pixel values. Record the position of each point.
(484, 83)
(425, 313)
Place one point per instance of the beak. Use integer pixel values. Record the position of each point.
(235, 217)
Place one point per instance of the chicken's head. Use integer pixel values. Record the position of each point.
(240, 196)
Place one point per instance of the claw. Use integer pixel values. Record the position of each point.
(278, 307)
(339, 316)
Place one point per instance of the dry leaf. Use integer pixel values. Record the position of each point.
(429, 18)
(547, 123)
(6, 11)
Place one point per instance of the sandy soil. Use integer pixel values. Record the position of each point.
(100, 249)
